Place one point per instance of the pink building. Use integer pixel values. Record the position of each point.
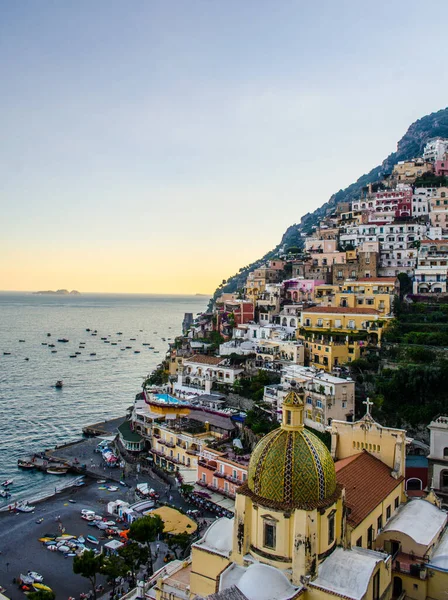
(219, 472)
(299, 290)
(400, 201)
(441, 167)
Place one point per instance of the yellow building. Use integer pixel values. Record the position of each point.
(407, 171)
(377, 293)
(336, 335)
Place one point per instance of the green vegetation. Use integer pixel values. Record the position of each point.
(253, 387)
(134, 556)
(259, 419)
(146, 530)
(89, 565)
(157, 377)
(178, 543)
(114, 567)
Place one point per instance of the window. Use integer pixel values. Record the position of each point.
(359, 542)
(319, 404)
(370, 537)
(380, 522)
(244, 476)
(445, 453)
(331, 528)
(388, 511)
(351, 325)
(203, 477)
(309, 400)
(288, 417)
(269, 535)
(234, 474)
(376, 586)
(396, 502)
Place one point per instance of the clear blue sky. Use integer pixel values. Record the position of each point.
(160, 145)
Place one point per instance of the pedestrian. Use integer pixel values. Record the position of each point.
(158, 548)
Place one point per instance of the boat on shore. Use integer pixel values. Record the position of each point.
(25, 464)
(57, 470)
(24, 506)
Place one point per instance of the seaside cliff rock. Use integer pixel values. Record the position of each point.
(57, 293)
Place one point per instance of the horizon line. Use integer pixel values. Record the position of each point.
(108, 293)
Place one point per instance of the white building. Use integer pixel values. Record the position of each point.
(435, 149)
(327, 397)
(432, 265)
(420, 201)
(202, 372)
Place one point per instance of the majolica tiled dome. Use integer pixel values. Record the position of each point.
(291, 466)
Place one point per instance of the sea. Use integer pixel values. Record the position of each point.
(99, 384)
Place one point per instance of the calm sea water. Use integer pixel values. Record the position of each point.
(35, 415)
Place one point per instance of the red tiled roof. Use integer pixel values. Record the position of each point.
(367, 482)
(341, 310)
(205, 360)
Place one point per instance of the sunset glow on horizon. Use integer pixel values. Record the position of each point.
(159, 147)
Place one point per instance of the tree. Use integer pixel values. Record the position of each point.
(41, 595)
(114, 567)
(88, 564)
(178, 542)
(133, 555)
(145, 531)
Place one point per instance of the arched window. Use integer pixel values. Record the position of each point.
(444, 480)
(445, 453)
(292, 323)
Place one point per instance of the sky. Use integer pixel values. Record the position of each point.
(157, 146)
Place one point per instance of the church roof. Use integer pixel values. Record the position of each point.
(418, 519)
(347, 573)
(367, 482)
(218, 537)
(291, 468)
(256, 582)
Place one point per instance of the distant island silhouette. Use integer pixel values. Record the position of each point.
(57, 293)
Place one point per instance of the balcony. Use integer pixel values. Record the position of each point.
(219, 474)
(410, 565)
(205, 465)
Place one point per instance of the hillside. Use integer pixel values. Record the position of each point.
(410, 146)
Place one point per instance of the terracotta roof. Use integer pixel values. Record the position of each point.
(377, 279)
(205, 360)
(367, 482)
(341, 310)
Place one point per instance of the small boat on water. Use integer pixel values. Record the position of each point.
(128, 347)
(6, 353)
(7, 482)
(48, 334)
(72, 501)
(93, 354)
(57, 470)
(132, 339)
(59, 383)
(25, 464)
(101, 481)
(21, 341)
(51, 345)
(77, 352)
(119, 333)
(5, 494)
(27, 358)
(113, 343)
(73, 356)
(81, 539)
(92, 539)
(136, 351)
(54, 351)
(104, 338)
(63, 340)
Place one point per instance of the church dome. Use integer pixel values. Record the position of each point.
(291, 466)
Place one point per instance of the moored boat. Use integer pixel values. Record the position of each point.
(7, 482)
(25, 464)
(92, 539)
(59, 383)
(57, 470)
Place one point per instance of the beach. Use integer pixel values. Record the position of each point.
(19, 533)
